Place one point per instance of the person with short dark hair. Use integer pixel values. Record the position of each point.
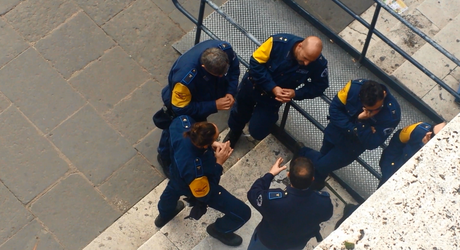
(284, 68)
(195, 173)
(361, 116)
(202, 81)
(292, 216)
(403, 145)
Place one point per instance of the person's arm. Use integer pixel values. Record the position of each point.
(257, 65)
(319, 82)
(233, 73)
(373, 136)
(182, 104)
(339, 117)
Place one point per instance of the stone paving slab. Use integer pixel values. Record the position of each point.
(100, 10)
(28, 162)
(91, 145)
(7, 5)
(4, 102)
(148, 147)
(74, 44)
(28, 79)
(148, 44)
(132, 117)
(438, 98)
(159, 241)
(74, 212)
(11, 42)
(131, 183)
(14, 214)
(432, 9)
(109, 79)
(36, 18)
(32, 235)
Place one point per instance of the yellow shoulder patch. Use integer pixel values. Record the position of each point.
(343, 93)
(200, 187)
(262, 54)
(404, 136)
(181, 95)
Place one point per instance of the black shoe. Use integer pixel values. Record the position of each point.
(164, 163)
(160, 221)
(347, 211)
(233, 137)
(229, 239)
(317, 185)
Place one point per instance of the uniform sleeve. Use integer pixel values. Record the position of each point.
(257, 64)
(258, 191)
(182, 103)
(340, 118)
(214, 180)
(372, 140)
(414, 145)
(233, 73)
(319, 82)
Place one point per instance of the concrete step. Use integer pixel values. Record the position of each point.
(425, 16)
(187, 234)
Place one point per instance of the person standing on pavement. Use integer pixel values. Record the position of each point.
(361, 116)
(202, 81)
(291, 217)
(195, 172)
(403, 145)
(277, 68)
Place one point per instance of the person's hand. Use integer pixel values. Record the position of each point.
(232, 100)
(290, 93)
(215, 145)
(373, 130)
(222, 153)
(276, 168)
(224, 103)
(281, 95)
(427, 137)
(364, 115)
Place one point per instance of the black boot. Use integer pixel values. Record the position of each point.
(233, 137)
(229, 239)
(164, 163)
(160, 221)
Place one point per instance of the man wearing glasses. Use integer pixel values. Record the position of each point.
(361, 116)
(202, 81)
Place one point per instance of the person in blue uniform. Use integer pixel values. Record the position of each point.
(277, 68)
(202, 81)
(361, 116)
(292, 216)
(403, 145)
(195, 173)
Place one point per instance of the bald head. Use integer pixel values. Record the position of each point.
(308, 50)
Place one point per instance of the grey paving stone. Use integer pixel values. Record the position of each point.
(36, 18)
(4, 102)
(148, 147)
(131, 183)
(7, 5)
(38, 90)
(13, 215)
(73, 45)
(30, 236)
(11, 43)
(29, 164)
(106, 81)
(91, 145)
(133, 30)
(133, 116)
(74, 212)
(101, 10)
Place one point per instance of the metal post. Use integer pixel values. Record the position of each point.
(371, 31)
(285, 115)
(200, 21)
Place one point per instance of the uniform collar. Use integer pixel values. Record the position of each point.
(299, 192)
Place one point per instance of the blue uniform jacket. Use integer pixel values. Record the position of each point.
(274, 64)
(290, 217)
(403, 145)
(347, 132)
(203, 87)
(183, 168)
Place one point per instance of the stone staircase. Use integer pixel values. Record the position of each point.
(440, 20)
(136, 229)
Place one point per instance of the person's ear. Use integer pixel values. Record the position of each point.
(384, 94)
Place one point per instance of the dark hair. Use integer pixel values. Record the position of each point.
(215, 61)
(301, 172)
(201, 133)
(370, 93)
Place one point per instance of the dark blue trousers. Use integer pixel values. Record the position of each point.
(250, 106)
(236, 213)
(330, 158)
(164, 147)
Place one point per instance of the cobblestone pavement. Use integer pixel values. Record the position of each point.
(79, 82)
